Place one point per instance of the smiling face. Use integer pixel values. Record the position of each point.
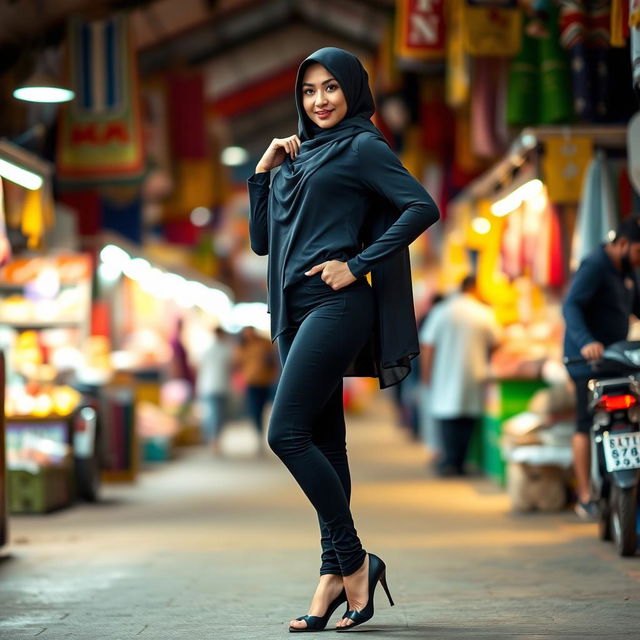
(322, 98)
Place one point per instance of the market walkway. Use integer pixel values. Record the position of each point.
(226, 549)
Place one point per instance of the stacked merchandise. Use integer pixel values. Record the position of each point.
(537, 447)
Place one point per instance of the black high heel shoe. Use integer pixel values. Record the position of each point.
(318, 623)
(377, 573)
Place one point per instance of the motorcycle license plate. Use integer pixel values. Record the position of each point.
(622, 451)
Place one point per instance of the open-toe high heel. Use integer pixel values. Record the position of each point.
(377, 573)
(318, 623)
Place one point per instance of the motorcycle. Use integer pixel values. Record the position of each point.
(614, 403)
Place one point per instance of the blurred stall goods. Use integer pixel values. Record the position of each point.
(52, 450)
(537, 447)
(515, 226)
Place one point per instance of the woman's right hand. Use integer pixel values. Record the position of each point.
(277, 151)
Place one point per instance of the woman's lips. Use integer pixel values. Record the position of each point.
(323, 115)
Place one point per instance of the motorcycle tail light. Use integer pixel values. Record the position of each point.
(615, 403)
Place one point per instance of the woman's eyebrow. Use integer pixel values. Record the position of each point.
(309, 84)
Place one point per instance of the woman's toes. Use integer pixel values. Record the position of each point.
(298, 624)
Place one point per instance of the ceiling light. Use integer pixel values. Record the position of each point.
(24, 178)
(510, 203)
(234, 156)
(481, 225)
(42, 87)
(200, 217)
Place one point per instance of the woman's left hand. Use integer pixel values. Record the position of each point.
(335, 273)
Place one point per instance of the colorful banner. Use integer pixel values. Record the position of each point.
(421, 33)
(100, 132)
(492, 28)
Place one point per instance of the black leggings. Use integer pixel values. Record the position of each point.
(307, 429)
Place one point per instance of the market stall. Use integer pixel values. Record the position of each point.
(50, 435)
(522, 226)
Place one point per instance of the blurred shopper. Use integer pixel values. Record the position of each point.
(457, 341)
(213, 385)
(341, 205)
(256, 360)
(602, 296)
(179, 370)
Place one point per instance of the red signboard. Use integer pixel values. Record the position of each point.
(420, 29)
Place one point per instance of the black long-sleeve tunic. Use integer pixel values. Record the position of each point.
(363, 207)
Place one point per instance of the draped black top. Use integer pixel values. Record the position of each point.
(363, 207)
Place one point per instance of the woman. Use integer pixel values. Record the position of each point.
(340, 206)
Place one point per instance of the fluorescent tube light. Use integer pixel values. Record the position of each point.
(511, 202)
(24, 178)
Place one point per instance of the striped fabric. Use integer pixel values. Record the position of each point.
(99, 76)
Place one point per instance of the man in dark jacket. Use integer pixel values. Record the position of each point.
(602, 296)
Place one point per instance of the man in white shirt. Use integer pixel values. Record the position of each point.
(213, 384)
(456, 342)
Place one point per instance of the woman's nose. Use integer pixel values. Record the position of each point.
(321, 98)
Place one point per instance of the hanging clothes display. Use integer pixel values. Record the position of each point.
(539, 90)
(522, 104)
(489, 138)
(554, 95)
(597, 214)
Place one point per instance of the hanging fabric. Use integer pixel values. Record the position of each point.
(522, 103)
(5, 247)
(564, 166)
(554, 94)
(597, 214)
(634, 23)
(557, 271)
(486, 104)
(458, 73)
(33, 218)
(619, 22)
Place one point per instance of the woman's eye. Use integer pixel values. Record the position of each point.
(308, 92)
(332, 87)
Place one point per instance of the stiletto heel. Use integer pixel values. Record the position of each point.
(383, 582)
(318, 623)
(377, 573)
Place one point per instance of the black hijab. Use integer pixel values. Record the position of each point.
(320, 145)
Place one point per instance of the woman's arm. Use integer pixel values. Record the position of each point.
(383, 173)
(259, 190)
(258, 185)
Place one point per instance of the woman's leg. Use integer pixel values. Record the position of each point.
(329, 435)
(321, 350)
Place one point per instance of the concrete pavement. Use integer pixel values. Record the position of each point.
(227, 548)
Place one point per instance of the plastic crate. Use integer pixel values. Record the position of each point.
(45, 490)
